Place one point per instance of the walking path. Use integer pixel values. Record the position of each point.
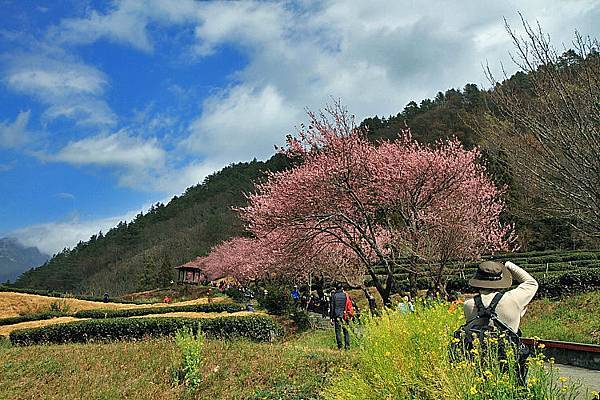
(589, 378)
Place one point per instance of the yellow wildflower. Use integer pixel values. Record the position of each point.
(473, 390)
(531, 381)
(563, 379)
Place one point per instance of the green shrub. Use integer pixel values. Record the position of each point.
(190, 345)
(60, 306)
(235, 294)
(255, 327)
(278, 300)
(32, 317)
(301, 319)
(545, 259)
(136, 312)
(406, 356)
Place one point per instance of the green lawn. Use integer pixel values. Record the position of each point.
(575, 318)
(297, 368)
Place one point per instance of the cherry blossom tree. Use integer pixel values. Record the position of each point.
(241, 258)
(378, 204)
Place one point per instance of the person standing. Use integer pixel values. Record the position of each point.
(339, 316)
(296, 295)
(372, 302)
(489, 280)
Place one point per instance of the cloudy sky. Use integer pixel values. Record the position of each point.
(110, 106)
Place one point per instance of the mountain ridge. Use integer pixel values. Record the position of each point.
(16, 258)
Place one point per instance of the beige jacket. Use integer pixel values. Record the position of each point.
(513, 304)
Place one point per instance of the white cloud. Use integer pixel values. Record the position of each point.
(242, 124)
(69, 88)
(177, 180)
(53, 79)
(52, 237)
(117, 149)
(15, 134)
(7, 167)
(125, 23)
(374, 56)
(137, 162)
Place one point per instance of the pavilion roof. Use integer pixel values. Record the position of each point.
(194, 264)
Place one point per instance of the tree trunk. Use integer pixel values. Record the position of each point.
(319, 287)
(439, 286)
(385, 295)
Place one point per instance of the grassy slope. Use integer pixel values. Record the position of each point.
(575, 318)
(15, 304)
(295, 369)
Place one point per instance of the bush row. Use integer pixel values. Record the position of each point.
(32, 317)
(536, 258)
(53, 293)
(135, 312)
(254, 327)
(569, 283)
(550, 286)
(553, 284)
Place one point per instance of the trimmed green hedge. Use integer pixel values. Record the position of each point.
(136, 312)
(569, 283)
(32, 317)
(254, 327)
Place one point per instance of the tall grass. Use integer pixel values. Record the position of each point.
(190, 346)
(406, 356)
(574, 318)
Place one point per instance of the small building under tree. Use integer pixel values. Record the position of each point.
(191, 272)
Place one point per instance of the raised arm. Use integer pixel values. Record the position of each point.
(527, 288)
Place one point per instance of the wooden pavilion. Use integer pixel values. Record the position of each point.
(191, 272)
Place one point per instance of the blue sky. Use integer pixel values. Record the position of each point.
(110, 106)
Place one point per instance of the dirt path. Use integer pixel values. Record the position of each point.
(14, 304)
(5, 330)
(197, 314)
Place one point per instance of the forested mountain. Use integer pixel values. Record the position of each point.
(141, 254)
(16, 258)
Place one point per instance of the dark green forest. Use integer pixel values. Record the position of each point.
(142, 253)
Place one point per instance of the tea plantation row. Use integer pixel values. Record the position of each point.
(254, 327)
(130, 312)
(559, 272)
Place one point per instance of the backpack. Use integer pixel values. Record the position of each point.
(483, 329)
(348, 309)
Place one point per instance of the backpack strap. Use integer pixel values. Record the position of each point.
(479, 303)
(483, 311)
(494, 302)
